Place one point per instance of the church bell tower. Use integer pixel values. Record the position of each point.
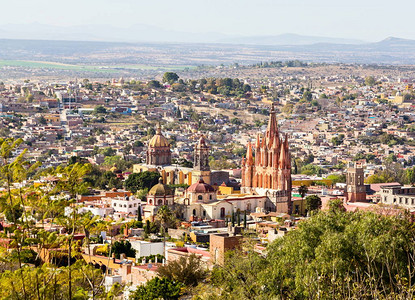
(355, 187)
(201, 162)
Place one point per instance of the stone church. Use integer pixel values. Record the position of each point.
(266, 170)
(158, 159)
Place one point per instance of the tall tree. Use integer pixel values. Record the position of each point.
(187, 270)
(313, 202)
(170, 77)
(139, 181)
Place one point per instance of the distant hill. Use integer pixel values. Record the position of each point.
(146, 33)
(134, 33)
(288, 39)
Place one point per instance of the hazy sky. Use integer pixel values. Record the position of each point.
(369, 20)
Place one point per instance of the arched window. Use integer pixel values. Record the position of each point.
(210, 197)
(160, 202)
(204, 213)
(150, 202)
(222, 212)
(199, 197)
(248, 206)
(194, 212)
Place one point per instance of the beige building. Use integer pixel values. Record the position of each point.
(398, 195)
(202, 202)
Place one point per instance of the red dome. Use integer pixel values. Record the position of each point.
(200, 187)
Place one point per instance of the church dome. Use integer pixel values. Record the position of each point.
(158, 140)
(200, 187)
(160, 189)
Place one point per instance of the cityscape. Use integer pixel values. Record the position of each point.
(169, 163)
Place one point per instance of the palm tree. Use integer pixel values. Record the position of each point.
(302, 190)
(165, 216)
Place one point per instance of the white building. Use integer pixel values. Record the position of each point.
(98, 210)
(126, 205)
(144, 248)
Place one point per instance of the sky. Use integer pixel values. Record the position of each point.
(367, 20)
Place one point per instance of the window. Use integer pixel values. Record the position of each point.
(115, 204)
(160, 202)
(222, 212)
(129, 206)
(194, 212)
(210, 197)
(135, 204)
(204, 213)
(150, 202)
(199, 197)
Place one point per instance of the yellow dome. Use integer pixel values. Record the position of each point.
(158, 140)
(160, 189)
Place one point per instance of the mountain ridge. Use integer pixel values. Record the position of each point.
(147, 33)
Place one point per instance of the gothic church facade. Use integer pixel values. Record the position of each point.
(266, 170)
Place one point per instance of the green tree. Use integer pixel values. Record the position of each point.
(187, 270)
(410, 174)
(165, 217)
(71, 181)
(42, 120)
(30, 98)
(233, 218)
(99, 110)
(370, 80)
(302, 190)
(312, 203)
(170, 77)
(311, 169)
(139, 181)
(122, 247)
(157, 288)
(337, 178)
(336, 141)
(332, 255)
(154, 84)
(107, 151)
(307, 96)
(288, 109)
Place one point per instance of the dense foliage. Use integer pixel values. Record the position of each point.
(122, 247)
(64, 275)
(187, 270)
(333, 255)
(158, 288)
(139, 181)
